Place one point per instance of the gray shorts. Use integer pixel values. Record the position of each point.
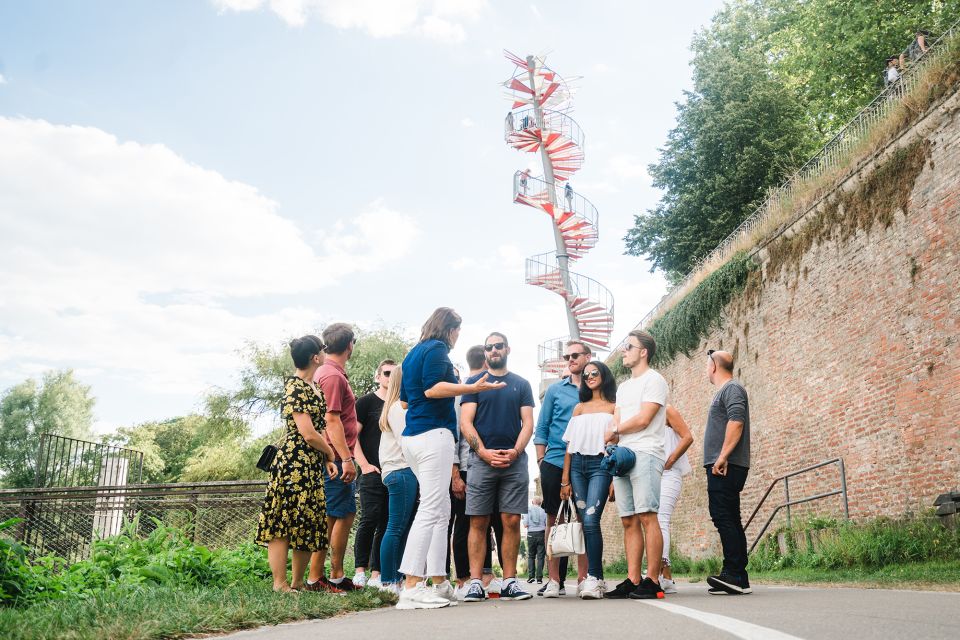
(487, 486)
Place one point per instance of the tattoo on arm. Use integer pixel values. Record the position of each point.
(474, 443)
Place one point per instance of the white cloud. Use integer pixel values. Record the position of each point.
(126, 258)
(627, 166)
(439, 20)
(467, 123)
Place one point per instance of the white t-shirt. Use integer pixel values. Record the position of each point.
(584, 433)
(650, 387)
(670, 442)
(391, 455)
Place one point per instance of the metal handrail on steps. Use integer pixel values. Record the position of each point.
(787, 503)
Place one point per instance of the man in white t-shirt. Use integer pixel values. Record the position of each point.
(638, 424)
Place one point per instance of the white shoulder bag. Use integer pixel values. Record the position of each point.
(566, 536)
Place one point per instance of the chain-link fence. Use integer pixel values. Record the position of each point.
(65, 521)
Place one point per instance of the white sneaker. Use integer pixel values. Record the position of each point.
(591, 589)
(494, 588)
(389, 588)
(552, 590)
(580, 586)
(420, 597)
(373, 582)
(668, 585)
(446, 590)
(359, 580)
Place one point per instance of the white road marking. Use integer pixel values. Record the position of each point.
(739, 628)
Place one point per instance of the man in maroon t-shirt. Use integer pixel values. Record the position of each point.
(341, 433)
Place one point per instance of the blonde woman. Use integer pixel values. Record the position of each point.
(400, 482)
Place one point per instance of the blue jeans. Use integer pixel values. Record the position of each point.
(591, 486)
(402, 489)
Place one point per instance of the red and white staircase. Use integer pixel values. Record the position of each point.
(589, 303)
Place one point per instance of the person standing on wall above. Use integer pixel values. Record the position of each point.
(341, 433)
(726, 457)
(429, 447)
(638, 425)
(558, 403)
(536, 523)
(498, 427)
(373, 493)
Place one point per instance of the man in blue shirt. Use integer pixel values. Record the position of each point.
(498, 428)
(558, 404)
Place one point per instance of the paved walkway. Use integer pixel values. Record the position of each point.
(770, 613)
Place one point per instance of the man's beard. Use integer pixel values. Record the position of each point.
(502, 364)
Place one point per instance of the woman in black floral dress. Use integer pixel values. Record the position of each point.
(294, 513)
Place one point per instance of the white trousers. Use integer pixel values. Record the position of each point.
(430, 456)
(669, 492)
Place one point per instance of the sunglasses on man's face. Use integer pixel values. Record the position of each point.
(572, 356)
(386, 372)
(499, 346)
(591, 375)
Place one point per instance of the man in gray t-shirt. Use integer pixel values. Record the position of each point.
(726, 457)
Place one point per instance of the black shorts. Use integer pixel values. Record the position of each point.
(550, 478)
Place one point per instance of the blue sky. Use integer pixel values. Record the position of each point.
(177, 178)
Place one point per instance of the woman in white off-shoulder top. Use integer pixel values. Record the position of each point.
(583, 474)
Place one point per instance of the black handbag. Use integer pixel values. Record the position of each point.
(265, 463)
(269, 454)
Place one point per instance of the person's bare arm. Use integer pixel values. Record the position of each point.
(730, 440)
(454, 389)
(339, 441)
(315, 439)
(526, 432)
(565, 490)
(679, 425)
(641, 420)
(468, 411)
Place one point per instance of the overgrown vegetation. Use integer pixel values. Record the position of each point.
(684, 325)
(883, 192)
(151, 613)
(918, 550)
(872, 545)
(773, 80)
(159, 586)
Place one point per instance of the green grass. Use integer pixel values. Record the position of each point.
(914, 551)
(143, 613)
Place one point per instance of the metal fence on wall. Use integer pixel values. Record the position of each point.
(66, 520)
(831, 156)
(69, 462)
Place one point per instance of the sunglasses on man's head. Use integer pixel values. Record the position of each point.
(572, 356)
(499, 346)
(593, 374)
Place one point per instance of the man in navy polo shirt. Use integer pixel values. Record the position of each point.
(498, 427)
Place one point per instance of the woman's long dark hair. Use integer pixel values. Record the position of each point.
(608, 385)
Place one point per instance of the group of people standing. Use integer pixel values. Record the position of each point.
(443, 458)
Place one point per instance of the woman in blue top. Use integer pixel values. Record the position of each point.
(428, 388)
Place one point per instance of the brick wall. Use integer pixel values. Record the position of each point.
(855, 353)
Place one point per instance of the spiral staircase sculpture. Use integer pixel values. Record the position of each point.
(538, 122)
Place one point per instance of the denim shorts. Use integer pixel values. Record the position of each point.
(341, 496)
(639, 490)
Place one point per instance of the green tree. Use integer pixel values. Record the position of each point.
(59, 404)
(773, 81)
(737, 134)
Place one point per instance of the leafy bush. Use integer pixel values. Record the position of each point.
(167, 556)
(879, 543)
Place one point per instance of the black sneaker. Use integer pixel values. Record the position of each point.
(717, 592)
(733, 586)
(621, 591)
(530, 580)
(542, 589)
(647, 590)
(540, 581)
(512, 591)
